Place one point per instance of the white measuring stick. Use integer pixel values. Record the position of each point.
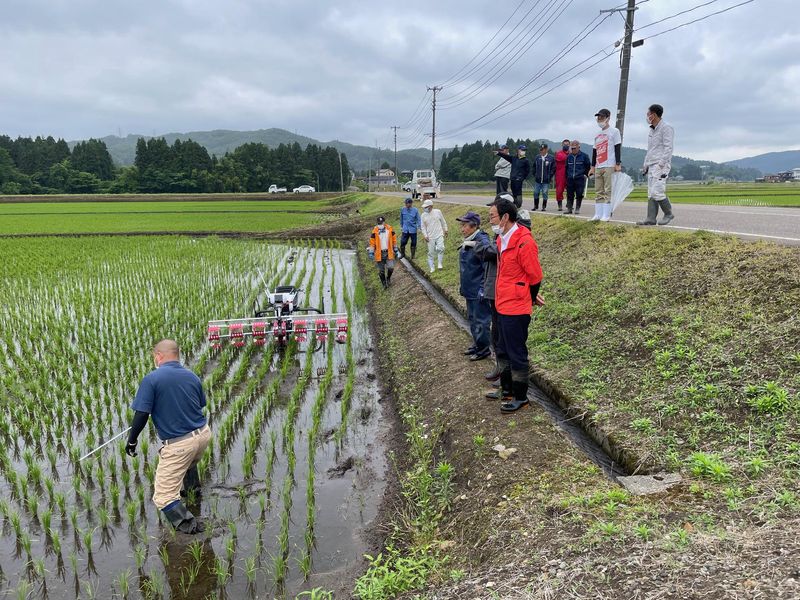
(104, 444)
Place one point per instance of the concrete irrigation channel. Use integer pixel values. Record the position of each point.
(572, 427)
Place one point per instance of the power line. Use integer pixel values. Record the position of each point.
(683, 12)
(554, 16)
(416, 110)
(719, 12)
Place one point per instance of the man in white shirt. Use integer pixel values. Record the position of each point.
(434, 230)
(657, 164)
(606, 159)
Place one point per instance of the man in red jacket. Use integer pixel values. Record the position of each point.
(516, 289)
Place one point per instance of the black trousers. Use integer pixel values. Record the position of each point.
(512, 340)
(404, 240)
(516, 191)
(575, 189)
(493, 337)
(502, 184)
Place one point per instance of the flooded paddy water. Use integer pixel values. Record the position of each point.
(297, 466)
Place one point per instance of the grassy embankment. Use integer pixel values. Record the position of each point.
(724, 194)
(685, 350)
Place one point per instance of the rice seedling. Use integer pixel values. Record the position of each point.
(123, 583)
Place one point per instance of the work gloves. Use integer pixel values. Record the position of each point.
(130, 448)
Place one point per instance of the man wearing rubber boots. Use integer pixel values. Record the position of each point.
(383, 250)
(657, 164)
(173, 396)
(519, 275)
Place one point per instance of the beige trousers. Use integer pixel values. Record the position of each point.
(602, 185)
(173, 462)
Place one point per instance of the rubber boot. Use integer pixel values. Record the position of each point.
(413, 252)
(191, 481)
(560, 205)
(544, 204)
(520, 391)
(389, 276)
(598, 212)
(605, 212)
(383, 279)
(505, 392)
(569, 206)
(518, 201)
(430, 264)
(181, 519)
(666, 206)
(652, 213)
(494, 374)
(578, 206)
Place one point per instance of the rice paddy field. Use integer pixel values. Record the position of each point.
(295, 465)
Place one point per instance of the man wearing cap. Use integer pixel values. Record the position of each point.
(578, 166)
(409, 223)
(502, 172)
(520, 169)
(383, 249)
(561, 172)
(434, 230)
(606, 159)
(471, 269)
(544, 168)
(657, 164)
(516, 289)
(173, 396)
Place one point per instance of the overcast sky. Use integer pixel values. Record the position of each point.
(348, 70)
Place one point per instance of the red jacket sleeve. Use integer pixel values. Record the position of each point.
(529, 261)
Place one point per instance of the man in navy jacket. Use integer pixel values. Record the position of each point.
(479, 310)
(578, 165)
(544, 168)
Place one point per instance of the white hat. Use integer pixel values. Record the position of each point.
(427, 203)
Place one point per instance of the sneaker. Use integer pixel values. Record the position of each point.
(492, 375)
(484, 354)
(560, 210)
(568, 212)
(543, 209)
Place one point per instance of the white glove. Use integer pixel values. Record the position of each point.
(469, 244)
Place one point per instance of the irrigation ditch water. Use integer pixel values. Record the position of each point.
(291, 484)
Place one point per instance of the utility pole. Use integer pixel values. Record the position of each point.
(625, 61)
(396, 174)
(341, 173)
(434, 89)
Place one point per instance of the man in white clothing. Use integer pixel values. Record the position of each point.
(606, 159)
(434, 230)
(657, 164)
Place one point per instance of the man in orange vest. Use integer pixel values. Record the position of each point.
(383, 249)
(519, 275)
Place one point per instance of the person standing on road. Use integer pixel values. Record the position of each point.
(544, 168)
(520, 170)
(606, 159)
(383, 250)
(657, 165)
(173, 396)
(502, 171)
(410, 222)
(434, 230)
(578, 166)
(471, 270)
(561, 173)
(519, 276)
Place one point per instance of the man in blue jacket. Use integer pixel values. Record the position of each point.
(544, 168)
(479, 311)
(578, 165)
(520, 169)
(410, 222)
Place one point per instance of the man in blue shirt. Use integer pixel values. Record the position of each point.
(173, 396)
(410, 222)
(578, 165)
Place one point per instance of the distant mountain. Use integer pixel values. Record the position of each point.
(220, 141)
(771, 162)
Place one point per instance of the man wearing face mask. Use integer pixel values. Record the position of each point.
(434, 230)
(173, 396)
(520, 170)
(517, 271)
(657, 164)
(383, 250)
(606, 159)
(561, 172)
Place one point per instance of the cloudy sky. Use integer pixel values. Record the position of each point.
(349, 70)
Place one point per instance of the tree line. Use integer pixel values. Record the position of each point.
(48, 166)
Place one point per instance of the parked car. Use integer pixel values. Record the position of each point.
(406, 187)
(303, 189)
(274, 189)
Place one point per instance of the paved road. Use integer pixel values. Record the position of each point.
(780, 225)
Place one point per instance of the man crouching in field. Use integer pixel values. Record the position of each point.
(174, 397)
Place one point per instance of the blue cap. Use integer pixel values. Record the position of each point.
(471, 217)
(522, 147)
(503, 147)
(409, 200)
